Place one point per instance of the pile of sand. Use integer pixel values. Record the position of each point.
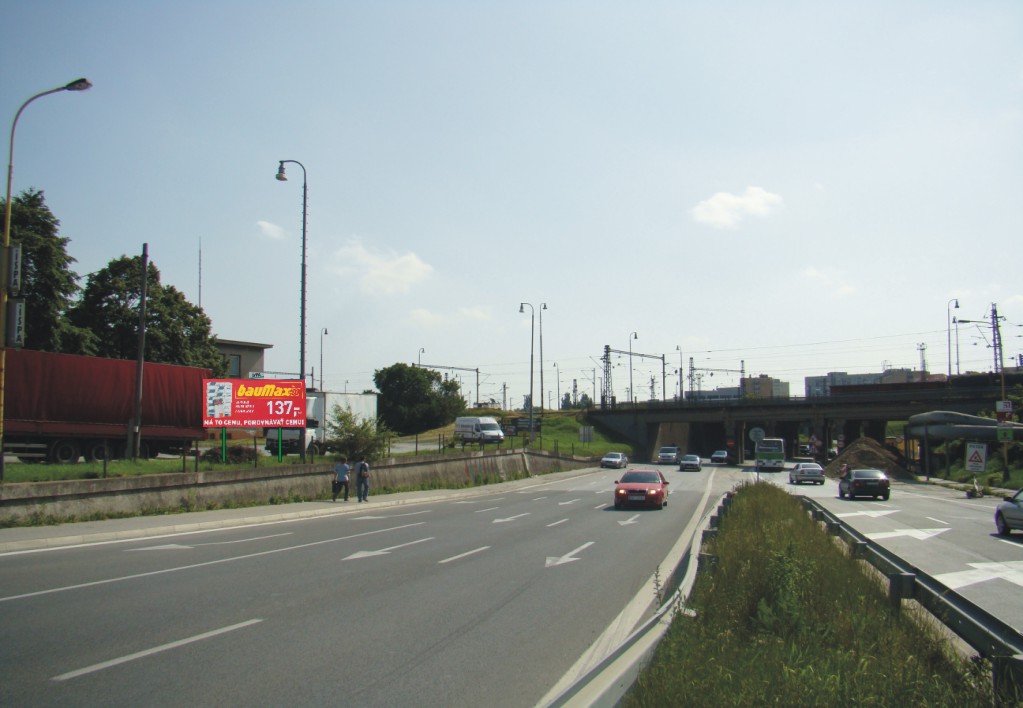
(867, 453)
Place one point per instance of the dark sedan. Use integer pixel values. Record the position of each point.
(864, 483)
(645, 488)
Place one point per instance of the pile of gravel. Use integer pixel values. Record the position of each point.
(867, 453)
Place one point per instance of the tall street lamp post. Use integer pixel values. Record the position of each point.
(948, 321)
(532, 329)
(678, 347)
(632, 395)
(281, 176)
(322, 332)
(543, 306)
(78, 85)
(421, 350)
(557, 375)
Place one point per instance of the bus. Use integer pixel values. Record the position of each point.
(770, 454)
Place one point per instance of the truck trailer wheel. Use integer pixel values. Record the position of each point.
(97, 451)
(65, 452)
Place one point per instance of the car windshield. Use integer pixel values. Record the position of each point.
(720, 453)
(810, 466)
(669, 450)
(613, 455)
(691, 458)
(640, 477)
(868, 474)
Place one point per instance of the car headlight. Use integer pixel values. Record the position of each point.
(651, 491)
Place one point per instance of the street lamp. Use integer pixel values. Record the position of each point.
(632, 335)
(543, 306)
(322, 332)
(532, 328)
(557, 374)
(948, 322)
(421, 350)
(678, 348)
(78, 85)
(956, 323)
(282, 177)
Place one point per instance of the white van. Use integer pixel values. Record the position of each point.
(478, 429)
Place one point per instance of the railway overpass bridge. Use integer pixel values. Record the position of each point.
(702, 427)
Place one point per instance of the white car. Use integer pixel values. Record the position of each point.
(1009, 514)
(617, 460)
(668, 455)
(806, 472)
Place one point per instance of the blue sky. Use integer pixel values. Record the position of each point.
(789, 187)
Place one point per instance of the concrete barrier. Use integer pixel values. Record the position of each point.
(88, 498)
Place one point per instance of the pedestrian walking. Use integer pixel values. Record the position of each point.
(362, 479)
(341, 472)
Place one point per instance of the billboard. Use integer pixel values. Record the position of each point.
(254, 403)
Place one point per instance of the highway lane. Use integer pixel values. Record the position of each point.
(487, 600)
(942, 533)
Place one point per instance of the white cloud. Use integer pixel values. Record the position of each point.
(271, 230)
(726, 211)
(387, 273)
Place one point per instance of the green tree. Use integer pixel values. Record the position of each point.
(353, 436)
(49, 285)
(177, 332)
(413, 399)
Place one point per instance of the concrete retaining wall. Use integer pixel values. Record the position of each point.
(149, 493)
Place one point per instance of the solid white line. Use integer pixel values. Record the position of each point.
(201, 565)
(463, 555)
(150, 652)
(557, 522)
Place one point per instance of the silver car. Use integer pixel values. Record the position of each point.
(806, 472)
(616, 460)
(691, 463)
(668, 455)
(1009, 514)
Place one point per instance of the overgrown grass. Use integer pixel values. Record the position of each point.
(786, 618)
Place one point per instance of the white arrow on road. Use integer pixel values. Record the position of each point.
(384, 551)
(871, 514)
(630, 520)
(511, 518)
(573, 501)
(1011, 571)
(918, 534)
(568, 557)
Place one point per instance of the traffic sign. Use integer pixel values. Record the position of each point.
(976, 457)
(757, 434)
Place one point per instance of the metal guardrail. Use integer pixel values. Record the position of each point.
(993, 639)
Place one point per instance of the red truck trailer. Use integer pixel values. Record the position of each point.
(59, 407)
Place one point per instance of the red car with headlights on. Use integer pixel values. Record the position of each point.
(646, 488)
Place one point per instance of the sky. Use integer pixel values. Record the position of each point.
(776, 188)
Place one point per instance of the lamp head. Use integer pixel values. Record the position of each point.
(522, 307)
(957, 303)
(78, 85)
(543, 306)
(281, 177)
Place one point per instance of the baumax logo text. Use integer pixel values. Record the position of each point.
(268, 391)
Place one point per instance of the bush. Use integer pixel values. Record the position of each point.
(235, 454)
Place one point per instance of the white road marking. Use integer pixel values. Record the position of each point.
(492, 508)
(981, 572)
(539, 498)
(571, 501)
(393, 516)
(557, 523)
(464, 555)
(600, 506)
(193, 566)
(510, 518)
(568, 557)
(937, 521)
(918, 534)
(630, 520)
(871, 514)
(154, 650)
(384, 551)
(178, 546)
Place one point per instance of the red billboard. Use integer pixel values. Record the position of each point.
(254, 403)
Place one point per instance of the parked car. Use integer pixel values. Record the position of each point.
(1009, 514)
(690, 463)
(806, 472)
(864, 483)
(616, 460)
(668, 455)
(720, 457)
(646, 488)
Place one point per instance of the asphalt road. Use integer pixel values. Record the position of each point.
(482, 600)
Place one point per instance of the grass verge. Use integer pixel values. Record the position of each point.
(785, 617)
